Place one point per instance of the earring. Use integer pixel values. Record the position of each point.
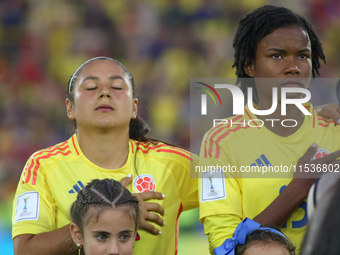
(79, 248)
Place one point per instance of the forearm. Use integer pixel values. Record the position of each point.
(278, 212)
(52, 243)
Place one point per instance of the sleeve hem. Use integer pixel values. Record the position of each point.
(220, 211)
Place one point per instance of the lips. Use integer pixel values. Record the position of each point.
(104, 108)
(292, 84)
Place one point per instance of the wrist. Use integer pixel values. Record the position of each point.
(301, 186)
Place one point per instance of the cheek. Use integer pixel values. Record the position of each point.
(127, 248)
(93, 249)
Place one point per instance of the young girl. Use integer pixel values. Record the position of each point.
(104, 219)
(251, 238)
(109, 142)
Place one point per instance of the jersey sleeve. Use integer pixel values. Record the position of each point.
(33, 205)
(220, 198)
(187, 185)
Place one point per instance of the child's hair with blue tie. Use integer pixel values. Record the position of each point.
(265, 237)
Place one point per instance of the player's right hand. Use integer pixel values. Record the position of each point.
(304, 174)
(148, 211)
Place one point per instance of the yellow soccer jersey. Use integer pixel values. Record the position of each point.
(52, 177)
(225, 202)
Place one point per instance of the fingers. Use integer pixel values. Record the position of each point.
(148, 206)
(151, 195)
(150, 212)
(154, 207)
(308, 168)
(328, 159)
(126, 180)
(149, 228)
(335, 113)
(329, 111)
(155, 218)
(309, 154)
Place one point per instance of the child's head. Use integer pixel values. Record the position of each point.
(267, 240)
(105, 218)
(252, 238)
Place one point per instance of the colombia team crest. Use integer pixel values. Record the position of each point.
(320, 153)
(144, 182)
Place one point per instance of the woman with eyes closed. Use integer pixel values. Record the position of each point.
(109, 142)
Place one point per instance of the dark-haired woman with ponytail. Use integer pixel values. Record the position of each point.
(109, 142)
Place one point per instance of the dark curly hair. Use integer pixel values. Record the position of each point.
(265, 236)
(258, 24)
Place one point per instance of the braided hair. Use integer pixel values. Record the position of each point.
(103, 194)
(258, 24)
(266, 237)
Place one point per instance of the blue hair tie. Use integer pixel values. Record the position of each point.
(246, 227)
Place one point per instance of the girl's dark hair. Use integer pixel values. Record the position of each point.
(103, 194)
(138, 128)
(265, 236)
(258, 24)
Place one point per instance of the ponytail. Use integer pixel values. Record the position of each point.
(138, 129)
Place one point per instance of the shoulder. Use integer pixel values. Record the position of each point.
(227, 128)
(161, 151)
(59, 150)
(45, 157)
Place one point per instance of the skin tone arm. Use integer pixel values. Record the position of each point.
(52, 243)
(292, 196)
(60, 241)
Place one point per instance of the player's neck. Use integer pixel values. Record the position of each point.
(107, 150)
(286, 128)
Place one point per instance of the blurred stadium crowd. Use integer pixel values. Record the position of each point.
(163, 43)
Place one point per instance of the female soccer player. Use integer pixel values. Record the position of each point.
(104, 219)
(109, 142)
(271, 42)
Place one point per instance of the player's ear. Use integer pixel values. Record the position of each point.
(134, 108)
(249, 68)
(69, 109)
(76, 234)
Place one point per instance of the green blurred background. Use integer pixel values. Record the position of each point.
(163, 43)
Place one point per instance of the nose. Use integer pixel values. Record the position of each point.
(105, 92)
(113, 248)
(292, 68)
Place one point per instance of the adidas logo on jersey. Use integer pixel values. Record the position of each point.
(77, 187)
(261, 161)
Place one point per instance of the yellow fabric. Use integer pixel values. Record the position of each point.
(247, 197)
(59, 168)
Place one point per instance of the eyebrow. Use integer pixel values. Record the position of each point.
(114, 77)
(108, 233)
(101, 232)
(284, 51)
